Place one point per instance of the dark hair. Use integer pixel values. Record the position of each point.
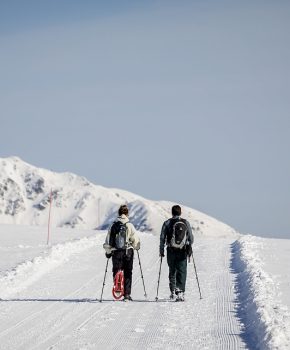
(176, 210)
(123, 210)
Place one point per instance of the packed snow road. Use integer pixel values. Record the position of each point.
(52, 301)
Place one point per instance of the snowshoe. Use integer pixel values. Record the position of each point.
(118, 287)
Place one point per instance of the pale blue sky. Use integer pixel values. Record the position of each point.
(178, 100)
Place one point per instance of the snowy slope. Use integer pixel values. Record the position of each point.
(77, 203)
(50, 298)
(50, 294)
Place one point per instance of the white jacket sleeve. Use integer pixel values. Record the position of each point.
(133, 237)
(106, 245)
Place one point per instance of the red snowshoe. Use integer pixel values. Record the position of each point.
(118, 287)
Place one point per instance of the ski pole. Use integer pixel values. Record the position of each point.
(196, 276)
(145, 294)
(104, 279)
(158, 278)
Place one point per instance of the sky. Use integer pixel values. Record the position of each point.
(185, 101)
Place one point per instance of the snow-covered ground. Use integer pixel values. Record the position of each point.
(49, 297)
(50, 294)
(263, 287)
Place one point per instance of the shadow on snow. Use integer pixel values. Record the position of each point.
(84, 300)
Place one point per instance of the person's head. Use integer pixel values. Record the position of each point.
(123, 210)
(176, 210)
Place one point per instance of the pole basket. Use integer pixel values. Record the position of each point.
(118, 287)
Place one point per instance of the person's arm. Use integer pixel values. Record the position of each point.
(133, 237)
(107, 245)
(190, 234)
(163, 235)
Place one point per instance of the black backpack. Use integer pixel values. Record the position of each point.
(118, 235)
(179, 233)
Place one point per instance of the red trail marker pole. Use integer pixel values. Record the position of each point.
(48, 226)
(99, 220)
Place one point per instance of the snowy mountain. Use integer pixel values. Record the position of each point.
(77, 203)
(50, 293)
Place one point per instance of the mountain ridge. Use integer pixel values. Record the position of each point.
(77, 203)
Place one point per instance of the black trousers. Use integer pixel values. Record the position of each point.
(177, 262)
(123, 260)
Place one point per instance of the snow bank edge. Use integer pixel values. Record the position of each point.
(265, 323)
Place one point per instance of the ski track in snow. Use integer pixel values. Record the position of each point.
(52, 303)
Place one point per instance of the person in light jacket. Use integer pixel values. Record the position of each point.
(121, 240)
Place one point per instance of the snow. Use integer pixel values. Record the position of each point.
(262, 267)
(50, 294)
(77, 203)
(50, 299)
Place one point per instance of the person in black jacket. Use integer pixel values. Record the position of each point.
(177, 234)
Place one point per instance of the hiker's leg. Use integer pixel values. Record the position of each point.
(128, 268)
(172, 269)
(181, 272)
(117, 260)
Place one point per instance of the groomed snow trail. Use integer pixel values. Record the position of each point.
(59, 308)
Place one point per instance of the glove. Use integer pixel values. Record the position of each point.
(161, 254)
(138, 246)
(108, 255)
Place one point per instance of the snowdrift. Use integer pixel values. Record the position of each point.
(257, 263)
